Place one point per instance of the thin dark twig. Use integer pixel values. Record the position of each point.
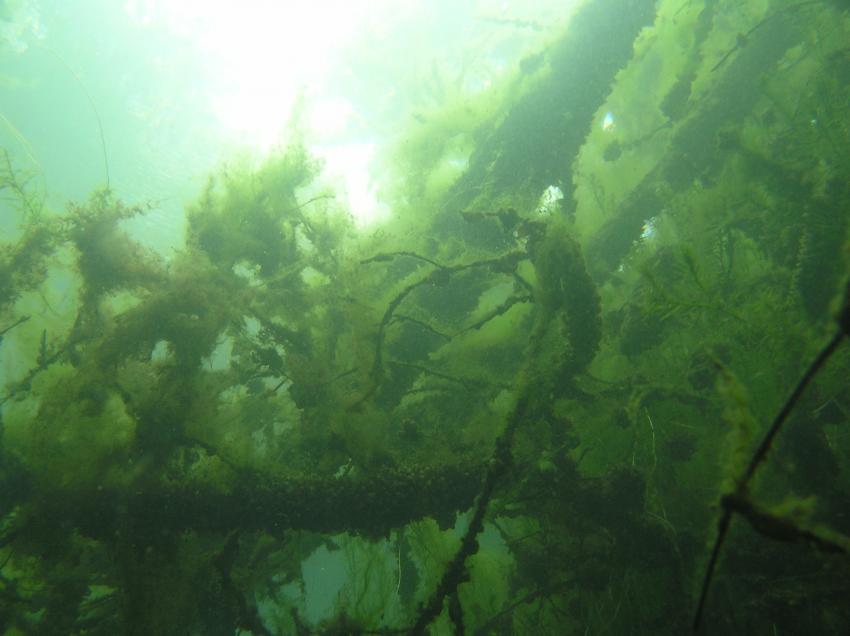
(722, 530)
(758, 457)
(504, 264)
(455, 572)
(93, 108)
(421, 323)
(790, 403)
(388, 256)
(469, 383)
(498, 311)
(19, 321)
(743, 38)
(25, 383)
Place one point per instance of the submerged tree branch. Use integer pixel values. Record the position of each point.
(739, 501)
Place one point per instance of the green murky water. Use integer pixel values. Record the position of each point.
(453, 319)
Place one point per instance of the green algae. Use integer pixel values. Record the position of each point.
(587, 379)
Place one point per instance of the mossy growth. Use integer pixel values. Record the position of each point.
(180, 427)
(23, 265)
(251, 215)
(73, 433)
(107, 258)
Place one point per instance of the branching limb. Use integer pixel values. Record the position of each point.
(466, 382)
(783, 527)
(421, 323)
(498, 311)
(10, 179)
(739, 501)
(43, 362)
(19, 321)
(388, 256)
(506, 264)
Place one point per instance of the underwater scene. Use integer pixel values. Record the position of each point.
(453, 317)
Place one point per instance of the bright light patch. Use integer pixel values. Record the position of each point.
(648, 230)
(333, 117)
(608, 122)
(349, 164)
(257, 56)
(254, 62)
(549, 200)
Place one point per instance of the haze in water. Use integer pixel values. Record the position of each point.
(424, 317)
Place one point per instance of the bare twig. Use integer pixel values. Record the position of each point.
(735, 502)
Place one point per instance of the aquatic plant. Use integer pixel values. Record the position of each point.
(492, 415)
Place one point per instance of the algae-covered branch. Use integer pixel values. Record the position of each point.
(515, 406)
